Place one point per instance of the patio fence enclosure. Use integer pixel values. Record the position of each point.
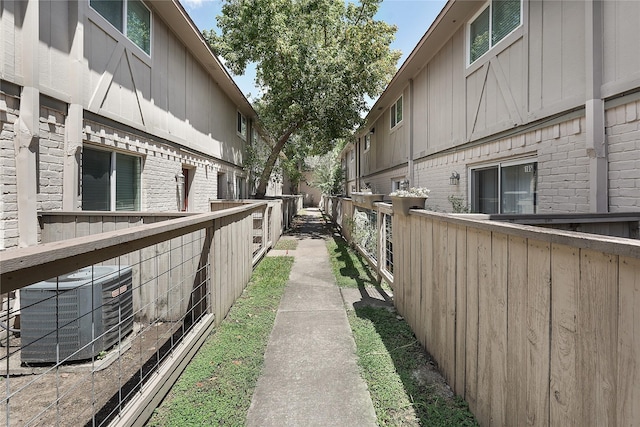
(121, 302)
(530, 325)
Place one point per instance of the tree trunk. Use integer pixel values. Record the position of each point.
(271, 161)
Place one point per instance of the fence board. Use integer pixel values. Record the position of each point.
(517, 331)
(426, 233)
(564, 394)
(485, 314)
(450, 320)
(461, 309)
(439, 281)
(598, 305)
(216, 267)
(628, 407)
(498, 327)
(538, 317)
(471, 370)
(412, 292)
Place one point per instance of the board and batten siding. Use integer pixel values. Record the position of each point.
(168, 94)
(388, 146)
(82, 59)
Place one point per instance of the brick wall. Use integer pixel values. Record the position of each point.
(559, 149)
(623, 143)
(51, 159)
(161, 163)
(8, 189)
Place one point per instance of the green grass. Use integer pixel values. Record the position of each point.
(350, 269)
(398, 371)
(286, 244)
(216, 387)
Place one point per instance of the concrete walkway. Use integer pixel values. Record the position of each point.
(310, 376)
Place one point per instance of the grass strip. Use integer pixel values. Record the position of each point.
(217, 386)
(350, 269)
(404, 386)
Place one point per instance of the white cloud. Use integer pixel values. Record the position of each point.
(193, 4)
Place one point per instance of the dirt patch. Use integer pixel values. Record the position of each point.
(88, 393)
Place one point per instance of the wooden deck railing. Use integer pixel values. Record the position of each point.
(530, 325)
(187, 272)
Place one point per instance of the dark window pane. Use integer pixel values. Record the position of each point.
(111, 10)
(96, 169)
(505, 15)
(479, 36)
(399, 111)
(485, 191)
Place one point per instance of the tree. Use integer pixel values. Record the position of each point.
(327, 171)
(316, 61)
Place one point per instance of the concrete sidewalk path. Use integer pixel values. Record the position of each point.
(310, 376)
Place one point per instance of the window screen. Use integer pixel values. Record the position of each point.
(505, 17)
(127, 183)
(479, 30)
(139, 25)
(492, 25)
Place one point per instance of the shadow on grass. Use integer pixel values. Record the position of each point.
(405, 385)
(430, 398)
(358, 271)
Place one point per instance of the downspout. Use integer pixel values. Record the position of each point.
(358, 176)
(410, 162)
(596, 144)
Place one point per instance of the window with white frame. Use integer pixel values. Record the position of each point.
(398, 184)
(130, 17)
(352, 155)
(396, 113)
(110, 181)
(493, 23)
(367, 141)
(242, 126)
(508, 188)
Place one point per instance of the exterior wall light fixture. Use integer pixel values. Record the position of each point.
(454, 179)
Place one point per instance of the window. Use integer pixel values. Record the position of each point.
(505, 188)
(396, 113)
(367, 141)
(352, 155)
(110, 181)
(399, 184)
(242, 126)
(137, 24)
(493, 24)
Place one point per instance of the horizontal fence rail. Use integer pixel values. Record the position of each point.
(97, 328)
(532, 326)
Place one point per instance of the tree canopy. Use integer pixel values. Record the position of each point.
(316, 62)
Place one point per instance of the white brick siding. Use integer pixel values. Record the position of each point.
(563, 164)
(623, 143)
(8, 187)
(51, 160)
(563, 167)
(161, 163)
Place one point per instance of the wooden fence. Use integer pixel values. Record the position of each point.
(210, 250)
(531, 326)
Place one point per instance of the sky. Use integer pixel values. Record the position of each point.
(412, 17)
